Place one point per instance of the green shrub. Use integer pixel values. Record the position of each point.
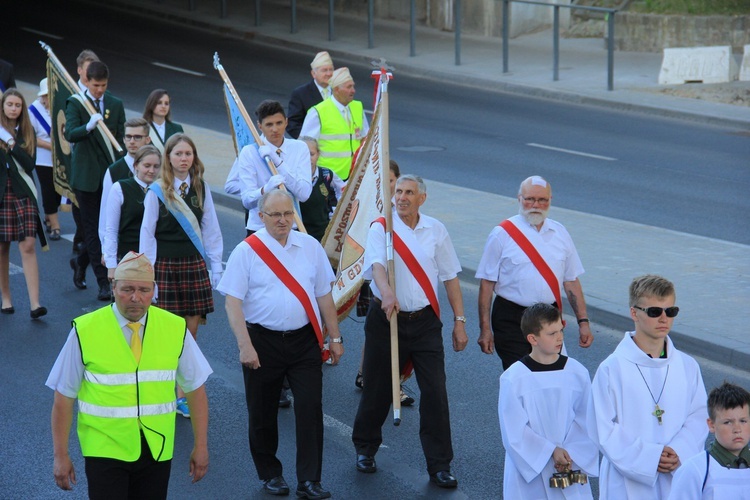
(695, 7)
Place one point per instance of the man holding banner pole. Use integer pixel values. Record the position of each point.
(290, 157)
(424, 255)
(278, 298)
(92, 155)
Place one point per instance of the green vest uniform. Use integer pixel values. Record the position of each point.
(119, 398)
(131, 217)
(119, 170)
(338, 139)
(173, 241)
(315, 210)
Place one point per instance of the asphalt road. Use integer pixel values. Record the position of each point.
(30, 348)
(659, 172)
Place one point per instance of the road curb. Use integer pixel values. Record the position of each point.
(729, 355)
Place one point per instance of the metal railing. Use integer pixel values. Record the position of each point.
(610, 15)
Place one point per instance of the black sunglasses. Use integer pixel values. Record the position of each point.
(655, 312)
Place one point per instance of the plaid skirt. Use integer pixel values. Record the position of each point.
(18, 216)
(184, 285)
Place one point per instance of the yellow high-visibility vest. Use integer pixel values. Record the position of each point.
(119, 398)
(338, 139)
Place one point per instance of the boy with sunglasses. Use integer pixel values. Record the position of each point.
(648, 401)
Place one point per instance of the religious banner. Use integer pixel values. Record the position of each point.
(59, 91)
(361, 203)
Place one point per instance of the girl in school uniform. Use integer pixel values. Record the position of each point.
(19, 213)
(180, 233)
(158, 114)
(124, 208)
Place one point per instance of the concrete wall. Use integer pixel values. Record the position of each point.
(653, 33)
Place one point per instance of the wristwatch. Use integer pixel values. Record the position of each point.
(339, 340)
(459, 318)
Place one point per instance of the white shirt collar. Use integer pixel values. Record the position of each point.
(177, 182)
(123, 321)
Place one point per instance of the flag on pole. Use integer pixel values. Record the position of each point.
(361, 203)
(59, 91)
(241, 134)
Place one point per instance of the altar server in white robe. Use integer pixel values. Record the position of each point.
(722, 470)
(648, 403)
(542, 409)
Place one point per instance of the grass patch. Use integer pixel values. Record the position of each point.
(694, 7)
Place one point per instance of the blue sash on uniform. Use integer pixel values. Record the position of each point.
(191, 228)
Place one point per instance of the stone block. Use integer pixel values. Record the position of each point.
(745, 68)
(698, 65)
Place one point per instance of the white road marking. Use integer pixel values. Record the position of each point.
(42, 33)
(14, 269)
(571, 152)
(176, 68)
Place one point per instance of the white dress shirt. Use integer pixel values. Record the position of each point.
(442, 262)
(265, 299)
(210, 230)
(43, 156)
(113, 210)
(106, 186)
(254, 174)
(515, 276)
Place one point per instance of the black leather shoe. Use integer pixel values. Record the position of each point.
(366, 463)
(444, 479)
(38, 312)
(312, 490)
(276, 486)
(8, 310)
(284, 401)
(105, 293)
(79, 274)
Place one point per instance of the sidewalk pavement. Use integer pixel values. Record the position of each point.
(712, 276)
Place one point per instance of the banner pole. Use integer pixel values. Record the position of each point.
(253, 130)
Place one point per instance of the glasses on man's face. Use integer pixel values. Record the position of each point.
(278, 215)
(134, 137)
(531, 200)
(655, 312)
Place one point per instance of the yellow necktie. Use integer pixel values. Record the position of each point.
(135, 341)
(183, 189)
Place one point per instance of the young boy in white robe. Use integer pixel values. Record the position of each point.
(721, 471)
(647, 410)
(542, 410)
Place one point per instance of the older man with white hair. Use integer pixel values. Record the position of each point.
(338, 123)
(527, 258)
(311, 93)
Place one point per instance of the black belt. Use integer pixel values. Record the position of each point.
(407, 315)
(285, 333)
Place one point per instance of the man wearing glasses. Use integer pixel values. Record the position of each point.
(290, 157)
(527, 259)
(136, 135)
(647, 410)
(278, 297)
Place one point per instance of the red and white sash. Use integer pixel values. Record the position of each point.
(416, 269)
(281, 272)
(541, 265)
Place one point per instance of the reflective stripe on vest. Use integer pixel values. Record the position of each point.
(130, 378)
(127, 411)
(338, 139)
(118, 398)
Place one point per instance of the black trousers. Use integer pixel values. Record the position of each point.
(144, 479)
(421, 340)
(510, 343)
(50, 198)
(78, 236)
(89, 204)
(296, 356)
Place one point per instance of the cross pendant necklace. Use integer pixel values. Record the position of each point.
(658, 412)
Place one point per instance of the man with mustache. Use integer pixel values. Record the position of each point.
(518, 281)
